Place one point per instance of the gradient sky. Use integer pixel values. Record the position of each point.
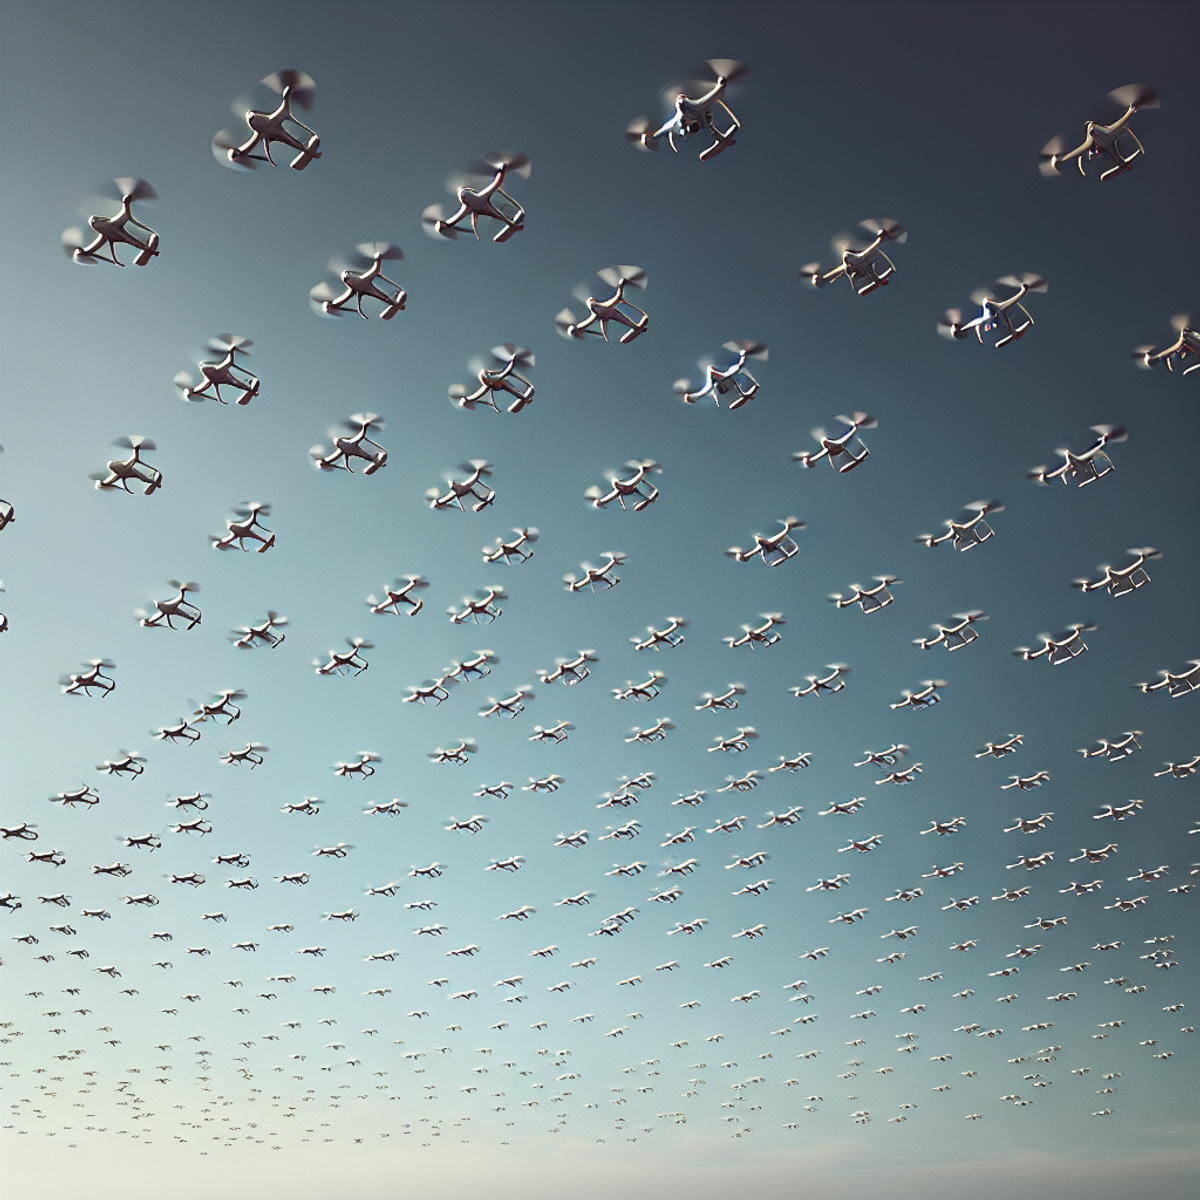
(932, 114)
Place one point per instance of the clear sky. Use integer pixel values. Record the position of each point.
(930, 114)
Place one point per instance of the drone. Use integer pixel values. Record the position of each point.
(477, 470)
(831, 683)
(81, 683)
(515, 550)
(871, 599)
(225, 372)
(758, 635)
(773, 550)
(130, 762)
(121, 472)
(692, 115)
(221, 705)
(294, 87)
(602, 575)
(1088, 465)
(833, 448)
(636, 485)
(1188, 342)
(657, 638)
(249, 527)
(478, 609)
(954, 637)
(720, 381)
(1104, 140)
(1174, 683)
(115, 230)
(496, 378)
(490, 200)
(341, 661)
(1122, 581)
(969, 531)
(362, 276)
(1062, 649)
(864, 264)
(397, 593)
(351, 440)
(602, 312)
(925, 698)
(996, 315)
(247, 637)
(177, 606)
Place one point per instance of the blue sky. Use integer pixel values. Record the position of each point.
(934, 117)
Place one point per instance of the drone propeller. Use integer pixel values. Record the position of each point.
(318, 297)
(518, 355)
(1136, 95)
(379, 251)
(860, 420)
(1140, 353)
(360, 643)
(981, 295)
(224, 342)
(841, 242)
(300, 86)
(224, 141)
(491, 162)
(811, 274)
(430, 217)
(137, 442)
(638, 132)
(1111, 433)
(366, 420)
(728, 69)
(984, 506)
(1180, 321)
(135, 189)
(949, 324)
(184, 382)
(477, 464)
(564, 322)
(892, 230)
(249, 508)
(1050, 151)
(681, 387)
(73, 239)
(183, 587)
(1026, 279)
(615, 276)
(750, 348)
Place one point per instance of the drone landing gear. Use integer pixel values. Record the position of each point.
(306, 156)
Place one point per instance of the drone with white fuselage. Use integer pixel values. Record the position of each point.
(1104, 141)
(362, 277)
(116, 230)
(495, 378)
(614, 309)
(998, 313)
(1088, 465)
(225, 372)
(863, 263)
(275, 126)
(351, 441)
(690, 115)
(732, 377)
(474, 201)
(122, 472)
(1187, 341)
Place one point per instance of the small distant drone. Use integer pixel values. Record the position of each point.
(1088, 465)
(350, 441)
(834, 448)
(1058, 650)
(362, 276)
(636, 485)
(954, 637)
(719, 381)
(831, 683)
(249, 527)
(399, 593)
(294, 87)
(177, 606)
(516, 550)
(773, 550)
(246, 637)
(490, 200)
(864, 263)
(115, 230)
(925, 698)
(871, 599)
(601, 576)
(996, 315)
(601, 312)
(1104, 140)
(120, 473)
(93, 677)
(225, 372)
(1187, 342)
(341, 661)
(1176, 684)
(501, 376)
(1122, 581)
(691, 115)
(968, 532)
(459, 489)
(478, 609)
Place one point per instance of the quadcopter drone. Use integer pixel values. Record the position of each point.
(177, 606)
(1120, 581)
(636, 488)
(350, 441)
(601, 312)
(719, 381)
(1188, 342)
(969, 531)
(115, 230)
(490, 200)
(459, 489)
(226, 372)
(692, 115)
(500, 376)
(294, 87)
(121, 472)
(1062, 649)
(248, 527)
(834, 448)
(996, 315)
(773, 550)
(1088, 465)
(864, 263)
(362, 276)
(1104, 140)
